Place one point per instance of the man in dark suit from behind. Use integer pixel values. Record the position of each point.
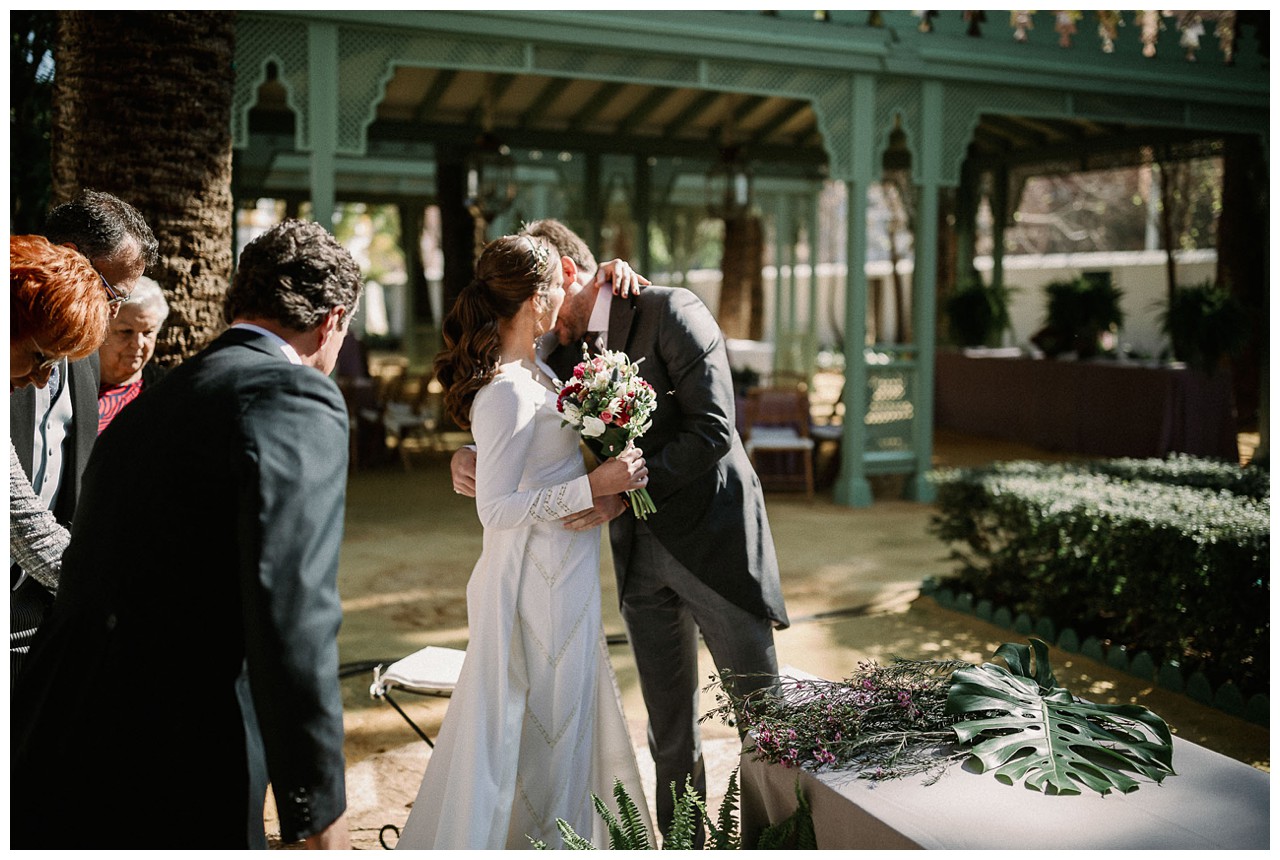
(705, 561)
(192, 648)
(53, 428)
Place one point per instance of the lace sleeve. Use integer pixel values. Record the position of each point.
(502, 422)
(36, 540)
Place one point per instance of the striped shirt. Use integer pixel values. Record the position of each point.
(113, 398)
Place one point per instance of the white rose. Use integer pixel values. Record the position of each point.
(572, 414)
(592, 426)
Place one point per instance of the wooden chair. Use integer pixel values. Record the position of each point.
(777, 425)
(409, 412)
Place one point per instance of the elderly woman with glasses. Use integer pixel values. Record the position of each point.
(58, 309)
(124, 359)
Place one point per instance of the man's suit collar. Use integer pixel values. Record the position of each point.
(255, 340)
(282, 346)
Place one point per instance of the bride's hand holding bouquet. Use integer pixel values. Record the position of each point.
(610, 404)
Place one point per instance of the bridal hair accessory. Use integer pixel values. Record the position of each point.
(541, 253)
(609, 402)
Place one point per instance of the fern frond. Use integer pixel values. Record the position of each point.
(572, 841)
(806, 838)
(616, 837)
(724, 833)
(636, 835)
(795, 831)
(684, 819)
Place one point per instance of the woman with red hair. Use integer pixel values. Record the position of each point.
(59, 307)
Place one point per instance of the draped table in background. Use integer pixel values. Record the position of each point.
(1098, 408)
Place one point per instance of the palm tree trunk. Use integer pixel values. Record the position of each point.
(142, 110)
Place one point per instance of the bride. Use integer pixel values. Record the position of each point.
(535, 724)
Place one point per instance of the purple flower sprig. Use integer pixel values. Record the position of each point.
(881, 721)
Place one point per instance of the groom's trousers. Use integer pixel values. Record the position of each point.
(664, 607)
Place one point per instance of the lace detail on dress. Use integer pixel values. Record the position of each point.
(548, 504)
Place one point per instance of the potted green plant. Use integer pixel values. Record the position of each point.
(1205, 323)
(977, 314)
(1078, 312)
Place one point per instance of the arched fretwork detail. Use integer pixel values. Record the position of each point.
(369, 57)
(260, 43)
(898, 98)
(831, 96)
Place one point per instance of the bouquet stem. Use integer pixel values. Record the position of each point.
(641, 504)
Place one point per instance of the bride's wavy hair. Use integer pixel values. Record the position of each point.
(511, 269)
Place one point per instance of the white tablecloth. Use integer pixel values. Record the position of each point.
(1211, 802)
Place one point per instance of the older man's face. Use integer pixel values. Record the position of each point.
(123, 268)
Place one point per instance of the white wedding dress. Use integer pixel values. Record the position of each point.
(535, 725)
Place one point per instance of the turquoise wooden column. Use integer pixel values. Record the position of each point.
(796, 357)
(322, 65)
(925, 297)
(815, 230)
(783, 333)
(852, 487)
(999, 218)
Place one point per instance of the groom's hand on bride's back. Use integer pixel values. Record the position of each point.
(463, 469)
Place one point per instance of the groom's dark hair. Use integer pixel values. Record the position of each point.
(566, 242)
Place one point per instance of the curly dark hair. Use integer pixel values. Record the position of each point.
(293, 274)
(98, 224)
(511, 269)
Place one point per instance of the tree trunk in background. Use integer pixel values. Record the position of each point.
(413, 219)
(457, 227)
(142, 110)
(741, 312)
(1243, 237)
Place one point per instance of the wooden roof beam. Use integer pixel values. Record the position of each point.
(1016, 134)
(645, 109)
(595, 104)
(500, 85)
(781, 118)
(746, 107)
(549, 94)
(443, 79)
(697, 106)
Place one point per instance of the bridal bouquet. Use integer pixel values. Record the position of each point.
(608, 401)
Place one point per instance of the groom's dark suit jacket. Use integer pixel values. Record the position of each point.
(191, 654)
(711, 513)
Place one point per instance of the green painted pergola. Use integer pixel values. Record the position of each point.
(367, 105)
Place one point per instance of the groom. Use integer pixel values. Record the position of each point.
(705, 561)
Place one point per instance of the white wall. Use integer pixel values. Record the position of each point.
(1140, 275)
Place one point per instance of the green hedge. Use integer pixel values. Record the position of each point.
(1167, 557)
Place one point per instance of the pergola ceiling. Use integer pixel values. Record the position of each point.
(780, 136)
(539, 111)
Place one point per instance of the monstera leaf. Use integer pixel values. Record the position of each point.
(1048, 737)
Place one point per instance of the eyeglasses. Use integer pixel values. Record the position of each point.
(115, 298)
(42, 361)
